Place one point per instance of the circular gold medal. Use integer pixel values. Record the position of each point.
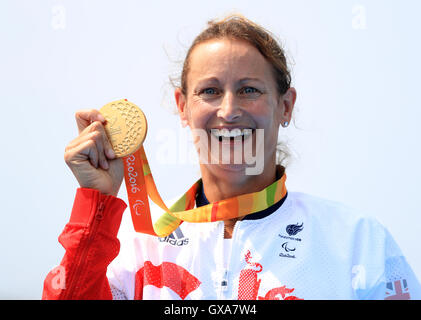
(126, 126)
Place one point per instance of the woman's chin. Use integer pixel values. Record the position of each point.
(225, 170)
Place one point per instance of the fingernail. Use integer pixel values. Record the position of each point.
(101, 118)
(105, 165)
(111, 154)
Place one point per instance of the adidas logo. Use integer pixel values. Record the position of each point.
(176, 238)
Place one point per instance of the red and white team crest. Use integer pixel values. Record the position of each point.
(182, 282)
(249, 284)
(168, 275)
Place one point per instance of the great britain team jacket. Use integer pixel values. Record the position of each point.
(307, 248)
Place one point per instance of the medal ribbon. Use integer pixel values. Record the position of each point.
(140, 185)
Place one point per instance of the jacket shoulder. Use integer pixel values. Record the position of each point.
(335, 215)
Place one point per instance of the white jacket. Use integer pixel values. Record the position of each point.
(310, 248)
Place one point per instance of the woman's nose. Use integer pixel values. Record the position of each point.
(229, 109)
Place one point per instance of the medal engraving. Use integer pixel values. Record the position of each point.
(126, 126)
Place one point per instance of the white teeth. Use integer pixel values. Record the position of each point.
(225, 133)
(235, 133)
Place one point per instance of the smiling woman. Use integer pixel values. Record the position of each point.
(236, 27)
(230, 87)
(255, 240)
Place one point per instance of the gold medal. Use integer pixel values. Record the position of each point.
(126, 126)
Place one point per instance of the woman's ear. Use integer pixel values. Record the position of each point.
(180, 100)
(286, 106)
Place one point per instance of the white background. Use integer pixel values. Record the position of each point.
(356, 139)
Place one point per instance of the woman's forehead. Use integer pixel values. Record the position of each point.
(225, 58)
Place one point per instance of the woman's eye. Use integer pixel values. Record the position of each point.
(249, 91)
(209, 91)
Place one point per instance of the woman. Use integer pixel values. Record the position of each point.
(235, 87)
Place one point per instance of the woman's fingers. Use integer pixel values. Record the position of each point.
(100, 139)
(108, 148)
(92, 151)
(84, 118)
(84, 150)
(95, 133)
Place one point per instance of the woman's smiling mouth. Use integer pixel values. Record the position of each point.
(231, 133)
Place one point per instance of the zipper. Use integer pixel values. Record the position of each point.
(223, 278)
(225, 281)
(99, 215)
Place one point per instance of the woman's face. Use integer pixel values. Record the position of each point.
(230, 90)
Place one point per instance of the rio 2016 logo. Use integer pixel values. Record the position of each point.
(132, 174)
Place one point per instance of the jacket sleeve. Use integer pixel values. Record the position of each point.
(400, 281)
(90, 241)
(394, 278)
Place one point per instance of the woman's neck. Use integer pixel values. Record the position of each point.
(222, 186)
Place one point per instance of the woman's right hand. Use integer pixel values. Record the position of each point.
(91, 157)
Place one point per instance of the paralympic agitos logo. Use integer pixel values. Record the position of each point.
(286, 248)
(292, 230)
